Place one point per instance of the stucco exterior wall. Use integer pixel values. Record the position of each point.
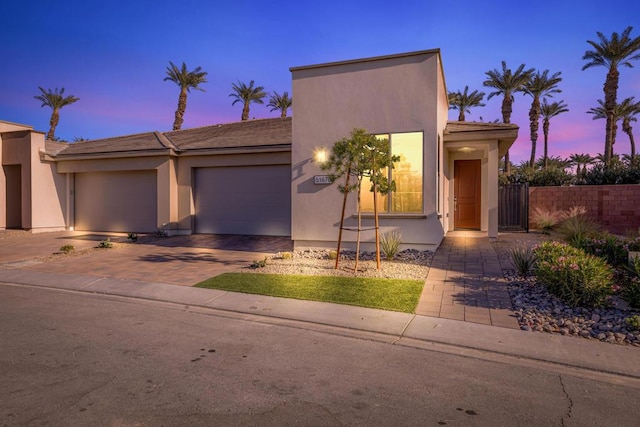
(48, 190)
(389, 95)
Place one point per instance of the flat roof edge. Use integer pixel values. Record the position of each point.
(370, 59)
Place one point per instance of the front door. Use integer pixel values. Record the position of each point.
(466, 193)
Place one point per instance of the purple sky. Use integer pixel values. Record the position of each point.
(113, 56)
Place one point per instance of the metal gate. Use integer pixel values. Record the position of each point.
(513, 207)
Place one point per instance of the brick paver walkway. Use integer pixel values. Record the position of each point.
(465, 282)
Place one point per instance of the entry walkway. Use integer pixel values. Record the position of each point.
(465, 282)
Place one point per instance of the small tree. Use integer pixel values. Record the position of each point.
(361, 156)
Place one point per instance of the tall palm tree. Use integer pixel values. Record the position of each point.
(247, 95)
(186, 80)
(464, 101)
(548, 112)
(600, 112)
(55, 100)
(612, 53)
(628, 110)
(581, 161)
(539, 86)
(506, 83)
(280, 102)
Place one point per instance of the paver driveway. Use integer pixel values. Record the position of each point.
(181, 260)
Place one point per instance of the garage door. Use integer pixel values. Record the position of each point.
(252, 200)
(116, 201)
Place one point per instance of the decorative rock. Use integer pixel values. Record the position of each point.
(595, 317)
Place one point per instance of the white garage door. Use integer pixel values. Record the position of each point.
(245, 200)
(116, 201)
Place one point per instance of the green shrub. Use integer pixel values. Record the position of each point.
(576, 229)
(611, 248)
(287, 255)
(259, 263)
(633, 322)
(333, 254)
(572, 275)
(523, 260)
(545, 219)
(630, 283)
(67, 249)
(133, 237)
(105, 244)
(390, 244)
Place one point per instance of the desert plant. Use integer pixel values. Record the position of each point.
(575, 229)
(67, 249)
(633, 322)
(287, 255)
(133, 237)
(572, 275)
(630, 284)
(523, 260)
(333, 255)
(259, 263)
(105, 244)
(390, 244)
(609, 247)
(545, 219)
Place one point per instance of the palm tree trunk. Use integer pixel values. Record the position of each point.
(610, 94)
(545, 130)
(283, 114)
(461, 116)
(506, 118)
(53, 123)
(534, 116)
(632, 141)
(182, 106)
(245, 111)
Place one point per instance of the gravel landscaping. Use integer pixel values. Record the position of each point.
(538, 311)
(407, 264)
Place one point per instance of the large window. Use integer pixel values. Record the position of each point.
(407, 174)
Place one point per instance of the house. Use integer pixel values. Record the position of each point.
(259, 177)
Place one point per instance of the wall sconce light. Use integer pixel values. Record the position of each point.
(320, 155)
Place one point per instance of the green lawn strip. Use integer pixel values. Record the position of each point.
(386, 294)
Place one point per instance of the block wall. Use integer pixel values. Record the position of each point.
(615, 207)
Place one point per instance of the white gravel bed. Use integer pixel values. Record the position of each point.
(408, 264)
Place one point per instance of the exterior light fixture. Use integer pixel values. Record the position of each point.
(320, 155)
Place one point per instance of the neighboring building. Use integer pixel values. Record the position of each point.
(259, 177)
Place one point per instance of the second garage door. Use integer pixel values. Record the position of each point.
(116, 201)
(245, 200)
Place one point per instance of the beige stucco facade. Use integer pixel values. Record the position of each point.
(259, 176)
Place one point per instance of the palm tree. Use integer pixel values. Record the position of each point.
(539, 87)
(280, 102)
(601, 113)
(55, 100)
(628, 110)
(612, 53)
(464, 101)
(187, 80)
(549, 111)
(247, 95)
(506, 83)
(581, 161)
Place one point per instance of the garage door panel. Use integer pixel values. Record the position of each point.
(252, 200)
(116, 201)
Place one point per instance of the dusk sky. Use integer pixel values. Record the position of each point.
(113, 56)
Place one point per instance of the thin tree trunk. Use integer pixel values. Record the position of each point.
(507, 164)
(375, 220)
(344, 206)
(355, 268)
(545, 130)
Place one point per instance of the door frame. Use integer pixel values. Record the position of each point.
(458, 165)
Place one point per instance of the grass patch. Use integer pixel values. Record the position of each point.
(386, 294)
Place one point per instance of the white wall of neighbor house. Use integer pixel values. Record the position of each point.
(389, 95)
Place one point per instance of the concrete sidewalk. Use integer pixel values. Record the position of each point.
(392, 327)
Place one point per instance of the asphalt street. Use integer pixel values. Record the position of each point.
(70, 358)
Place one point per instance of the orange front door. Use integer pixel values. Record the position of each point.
(466, 190)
